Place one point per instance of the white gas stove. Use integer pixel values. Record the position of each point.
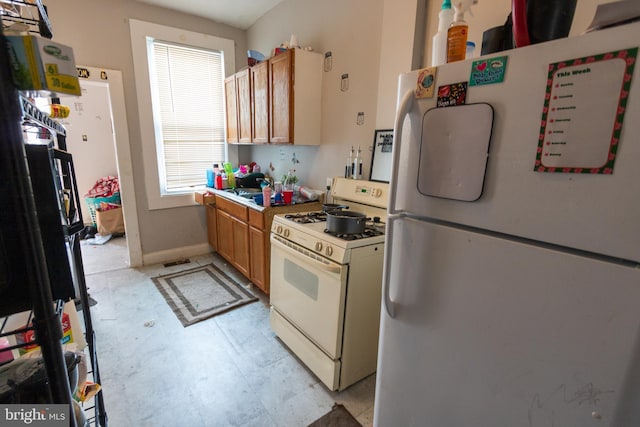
(309, 229)
(326, 288)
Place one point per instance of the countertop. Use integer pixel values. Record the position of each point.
(249, 202)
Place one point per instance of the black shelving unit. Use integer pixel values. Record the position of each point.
(40, 220)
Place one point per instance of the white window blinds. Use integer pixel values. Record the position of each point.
(190, 96)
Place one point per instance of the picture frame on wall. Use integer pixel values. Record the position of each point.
(381, 159)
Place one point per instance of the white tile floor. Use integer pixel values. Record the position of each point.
(229, 370)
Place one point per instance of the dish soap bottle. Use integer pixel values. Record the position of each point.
(439, 41)
(458, 32)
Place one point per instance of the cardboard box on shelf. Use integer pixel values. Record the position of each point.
(41, 64)
(72, 332)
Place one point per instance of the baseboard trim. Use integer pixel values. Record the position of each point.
(175, 254)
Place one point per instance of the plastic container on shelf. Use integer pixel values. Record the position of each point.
(439, 41)
(458, 31)
(471, 48)
(457, 37)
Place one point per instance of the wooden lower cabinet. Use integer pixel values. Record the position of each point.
(225, 235)
(233, 241)
(241, 246)
(258, 241)
(212, 227)
(243, 240)
(259, 228)
(242, 236)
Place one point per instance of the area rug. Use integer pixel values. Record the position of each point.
(337, 417)
(202, 292)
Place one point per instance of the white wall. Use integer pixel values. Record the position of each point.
(403, 27)
(90, 138)
(352, 32)
(98, 31)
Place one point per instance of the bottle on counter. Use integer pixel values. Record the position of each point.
(357, 164)
(348, 169)
(266, 196)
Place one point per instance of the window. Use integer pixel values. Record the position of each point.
(188, 111)
(179, 78)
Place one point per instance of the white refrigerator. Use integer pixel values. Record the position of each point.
(512, 274)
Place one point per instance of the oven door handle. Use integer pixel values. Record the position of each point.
(318, 263)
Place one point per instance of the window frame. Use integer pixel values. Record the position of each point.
(152, 158)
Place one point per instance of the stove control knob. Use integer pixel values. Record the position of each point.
(329, 251)
(319, 246)
(286, 232)
(377, 192)
(279, 229)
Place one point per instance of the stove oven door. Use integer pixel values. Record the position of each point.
(309, 292)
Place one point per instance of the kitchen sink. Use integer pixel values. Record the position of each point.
(245, 192)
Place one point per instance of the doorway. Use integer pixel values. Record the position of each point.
(98, 140)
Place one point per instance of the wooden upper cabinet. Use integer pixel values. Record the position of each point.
(281, 98)
(278, 101)
(260, 102)
(295, 97)
(231, 102)
(243, 86)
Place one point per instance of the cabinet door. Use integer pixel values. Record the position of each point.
(281, 99)
(212, 223)
(231, 102)
(243, 86)
(259, 262)
(241, 246)
(225, 235)
(260, 103)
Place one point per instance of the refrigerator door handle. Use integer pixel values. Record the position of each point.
(389, 305)
(404, 106)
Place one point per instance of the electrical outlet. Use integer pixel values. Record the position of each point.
(344, 83)
(328, 61)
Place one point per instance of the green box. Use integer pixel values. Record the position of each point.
(43, 65)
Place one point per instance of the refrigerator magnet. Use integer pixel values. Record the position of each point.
(426, 82)
(583, 113)
(453, 94)
(488, 71)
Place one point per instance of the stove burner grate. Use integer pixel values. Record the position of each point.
(307, 217)
(369, 231)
